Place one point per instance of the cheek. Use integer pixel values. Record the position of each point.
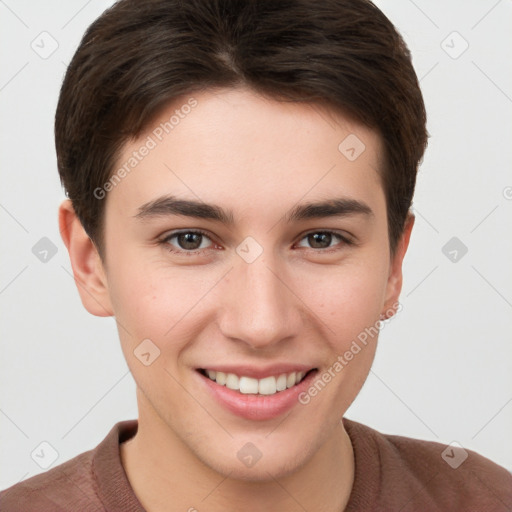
(156, 306)
(153, 301)
(347, 298)
(348, 304)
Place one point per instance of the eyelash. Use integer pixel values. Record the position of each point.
(165, 241)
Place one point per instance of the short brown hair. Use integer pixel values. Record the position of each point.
(140, 54)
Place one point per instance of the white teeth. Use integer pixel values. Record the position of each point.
(220, 378)
(267, 386)
(281, 382)
(232, 381)
(249, 385)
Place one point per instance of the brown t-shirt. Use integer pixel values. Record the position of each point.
(392, 473)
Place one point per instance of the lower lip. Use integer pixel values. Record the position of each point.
(257, 407)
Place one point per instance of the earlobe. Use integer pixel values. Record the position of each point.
(394, 284)
(87, 266)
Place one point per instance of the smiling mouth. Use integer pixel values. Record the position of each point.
(248, 385)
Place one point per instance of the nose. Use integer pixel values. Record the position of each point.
(260, 306)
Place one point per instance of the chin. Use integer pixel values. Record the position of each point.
(266, 468)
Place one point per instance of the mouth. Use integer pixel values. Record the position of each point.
(257, 394)
(267, 386)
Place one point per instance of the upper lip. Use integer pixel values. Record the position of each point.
(259, 372)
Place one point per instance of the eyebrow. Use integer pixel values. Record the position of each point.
(170, 205)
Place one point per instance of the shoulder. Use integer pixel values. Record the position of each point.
(92, 481)
(65, 487)
(426, 475)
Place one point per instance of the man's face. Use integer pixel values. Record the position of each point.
(261, 291)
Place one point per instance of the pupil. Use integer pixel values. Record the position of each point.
(320, 240)
(186, 240)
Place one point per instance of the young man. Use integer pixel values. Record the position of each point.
(240, 175)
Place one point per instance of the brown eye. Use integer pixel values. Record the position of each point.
(324, 240)
(187, 241)
(320, 240)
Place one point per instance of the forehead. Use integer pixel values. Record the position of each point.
(237, 148)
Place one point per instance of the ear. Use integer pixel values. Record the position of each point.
(88, 271)
(394, 285)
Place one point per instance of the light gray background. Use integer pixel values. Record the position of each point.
(443, 369)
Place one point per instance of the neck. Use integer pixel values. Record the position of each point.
(167, 476)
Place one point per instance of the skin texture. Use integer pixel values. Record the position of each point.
(296, 302)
